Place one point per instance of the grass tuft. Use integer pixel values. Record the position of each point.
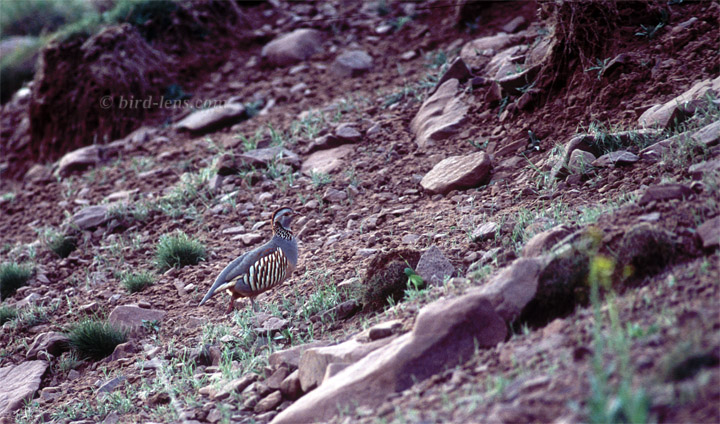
(62, 245)
(178, 251)
(94, 339)
(7, 314)
(137, 281)
(12, 277)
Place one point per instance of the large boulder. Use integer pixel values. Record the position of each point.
(446, 333)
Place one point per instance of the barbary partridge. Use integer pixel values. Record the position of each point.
(263, 268)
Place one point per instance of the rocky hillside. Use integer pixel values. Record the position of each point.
(510, 213)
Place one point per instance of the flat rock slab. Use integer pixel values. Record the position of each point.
(19, 383)
(544, 241)
(52, 342)
(131, 317)
(664, 192)
(434, 267)
(617, 158)
(458, 172)
(326, 161)
(291, 357)
(664, 115)
(446, 333)
(352, 64)
(207, 120)
(439, 116)
(484, 231)
(79, 160)
(709, 232)
(314, 362)
(293, 47)
(708, 135)
(510, 290)
(699, 169)
(458, 70)
(91, 217)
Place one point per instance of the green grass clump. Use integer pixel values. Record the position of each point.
(93, 339)
(178, 251)
(12, 277)
(135, 282)
(7, 314)
(62, 245)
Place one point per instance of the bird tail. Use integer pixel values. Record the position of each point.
(218, 285)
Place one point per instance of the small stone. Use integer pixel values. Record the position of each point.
(384, 329)
(271, 401)
(484, 232)
(351, 64)
(434, 267)
(334, 195)
(250, 238)
(617, 158)
(290, 386)
(409, 55)
(91, 217)
(709, 232)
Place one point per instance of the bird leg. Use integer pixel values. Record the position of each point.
(231, 306)
(254, 306)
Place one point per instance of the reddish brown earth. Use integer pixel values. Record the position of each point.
(386, 167)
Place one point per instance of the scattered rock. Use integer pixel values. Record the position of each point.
(123, 350)
(708, 135)
(708, 167)
(515, 83)
(290, 386)
(458, 70)
(131, 317)
(270, 402)
(111, 385)
(446, 333)
(333, 195)
(616, 158)
(678, 109)
(664, 192)
(580, 162)
(91, 217)
(352, 64)
(347, 133)
(235, 386)
(326, 161)
(53, 343)
(475, 52)
(709, 232)
(313, 362)
(79, 160)
(291, 357)
(250, 238)
(19, 383)
(458, 172)
(484, 232)
(434, 267)
(439, 116)
(543, 242)
(272, 325)
(514, 287)
(231, 164)
(277, 377)
(214, 118)
(293, 47)
(514, 25)
(39, 174)
(384, 329)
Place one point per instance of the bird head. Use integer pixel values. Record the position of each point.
(282, 218)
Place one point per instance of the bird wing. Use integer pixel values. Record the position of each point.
(235, 270)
